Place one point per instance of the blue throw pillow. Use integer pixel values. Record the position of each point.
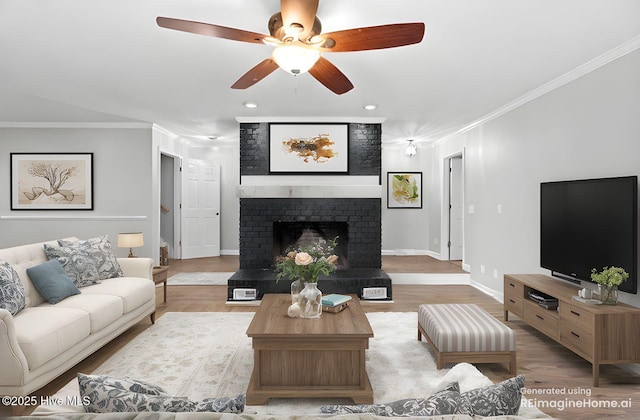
(52, 281)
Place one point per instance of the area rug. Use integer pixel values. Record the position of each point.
(199, 355)
(199, 279)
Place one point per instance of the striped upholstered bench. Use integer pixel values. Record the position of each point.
(466, 333)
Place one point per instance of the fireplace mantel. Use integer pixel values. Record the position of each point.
(310, 191)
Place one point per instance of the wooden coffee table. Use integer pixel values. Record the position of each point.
(308, 358)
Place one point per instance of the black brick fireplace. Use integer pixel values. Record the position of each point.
(258, 217)
(268, 223)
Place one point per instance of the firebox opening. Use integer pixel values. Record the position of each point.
(292, 234)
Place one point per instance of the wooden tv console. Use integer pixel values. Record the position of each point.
(601, 334)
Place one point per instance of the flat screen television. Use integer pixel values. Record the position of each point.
(590, 223)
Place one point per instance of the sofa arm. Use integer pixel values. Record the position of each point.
(14, 369)
(137, 267)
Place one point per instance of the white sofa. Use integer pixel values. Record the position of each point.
(43, 340)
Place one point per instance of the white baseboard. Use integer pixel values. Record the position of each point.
(411, 252)
(229, 252)
(430, 278)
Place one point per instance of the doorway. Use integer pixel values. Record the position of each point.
(170, 193)
(455, 194)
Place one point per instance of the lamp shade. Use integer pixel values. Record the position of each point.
(130, 240)
(295, 58)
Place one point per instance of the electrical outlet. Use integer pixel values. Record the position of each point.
(495, 273)
(483, 269)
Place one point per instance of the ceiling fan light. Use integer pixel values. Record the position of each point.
(295, 58)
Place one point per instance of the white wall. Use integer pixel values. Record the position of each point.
(408, 231)
(122, 162)
(588, 128)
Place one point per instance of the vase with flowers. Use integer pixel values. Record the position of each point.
(608, 281)
(302, 264)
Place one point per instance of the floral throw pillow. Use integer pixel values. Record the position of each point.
(100, 247)
(80, 264)
(501, 399)
(443, 402)
(12, 294)
(105, 394)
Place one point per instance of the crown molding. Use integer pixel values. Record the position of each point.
(586, 68)
(128, 125)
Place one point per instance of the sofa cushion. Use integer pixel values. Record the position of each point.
(45, 332)
(79, 263)
(134, 291)
(100, 248)
(52, 282)
(12, 294)
(109, 395)
(102, 309)
(501, 399)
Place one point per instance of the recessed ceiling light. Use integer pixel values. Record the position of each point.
(249, 104)
(370, 107)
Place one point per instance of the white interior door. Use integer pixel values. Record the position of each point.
(201, 209)
(455, 208)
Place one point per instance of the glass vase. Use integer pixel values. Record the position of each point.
(296, 287)
(310, 300)
(608, 294)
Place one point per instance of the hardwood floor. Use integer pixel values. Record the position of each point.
(556, 378)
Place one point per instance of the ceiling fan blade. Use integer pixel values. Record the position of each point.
(210, 29)
(375, 37)
(326, 73)
(298, 16)
(257, 73)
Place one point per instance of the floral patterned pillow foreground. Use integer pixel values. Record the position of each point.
(494, 400)
(443, 402)
(104, 394)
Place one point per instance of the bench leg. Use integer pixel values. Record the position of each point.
(153, 317)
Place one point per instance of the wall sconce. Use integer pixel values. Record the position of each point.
(130, 240)
(411, 149)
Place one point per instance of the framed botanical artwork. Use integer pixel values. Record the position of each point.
(404, 190)
(51, 181)
(308, 148)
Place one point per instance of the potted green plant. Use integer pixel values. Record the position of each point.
(608, 281)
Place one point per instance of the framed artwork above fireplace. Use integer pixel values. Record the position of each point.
(311, 149)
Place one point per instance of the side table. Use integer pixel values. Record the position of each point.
(160, 276)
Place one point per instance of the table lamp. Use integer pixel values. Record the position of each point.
(130, 240)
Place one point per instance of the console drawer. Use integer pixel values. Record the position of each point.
(578, 339)
(575, 315)
(543, 319)
(513, 296)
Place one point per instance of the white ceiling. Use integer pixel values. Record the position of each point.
(106, 60)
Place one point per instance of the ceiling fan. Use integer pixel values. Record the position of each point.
(296, 34)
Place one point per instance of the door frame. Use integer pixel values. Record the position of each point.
(446, 198)
(177, 202)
